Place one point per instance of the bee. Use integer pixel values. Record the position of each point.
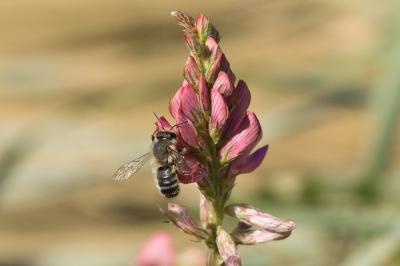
(167, 160)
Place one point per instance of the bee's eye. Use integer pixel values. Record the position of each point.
(152, 137)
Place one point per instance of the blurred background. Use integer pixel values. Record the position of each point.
(80, 80)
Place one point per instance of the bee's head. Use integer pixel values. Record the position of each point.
(164, 135)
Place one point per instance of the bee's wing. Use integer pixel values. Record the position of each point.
(179, 161)
(129, 169)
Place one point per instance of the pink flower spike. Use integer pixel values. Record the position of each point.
(162, 124)
(250, 215)
(219, 114)
(247, 136)
(190, 104)
(165, 255)
(188, 132)
(175, 103)
(180, 216)
(191, 71)
(251, 162)
(203, 94)
(223, 84)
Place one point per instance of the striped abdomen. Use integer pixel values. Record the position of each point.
(167, 181)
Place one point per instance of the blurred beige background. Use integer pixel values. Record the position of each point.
(80, 80)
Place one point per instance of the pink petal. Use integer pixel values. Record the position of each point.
(239, 102)
(180, 216)
(226, 245)
(247, 136)
(188, 132)
(219, 110)
(190, 104)
(223, 84)
(175, 102)
(189, 41)
(162, 124)
(203, 94)
(202, 24)
(252, 236)
(213, 47)
(204, 209)
(233, 261)
(250, 215)
(161, 243)
(225, 66)
(215, 58)
(251, 162)
(191, 71)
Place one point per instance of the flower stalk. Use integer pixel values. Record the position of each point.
(217, 135)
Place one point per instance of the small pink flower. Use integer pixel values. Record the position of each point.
(175, 103)
(162, 124)
(226, 246)
(250, 215)
(180, 216)
(157, 251)
(245, 138)
(219, 114)
(190, 104)
(191, 71)
(223, 84)
(188, 131)
(256, 236)
(248, 163)
(204, 94)
(238, 102)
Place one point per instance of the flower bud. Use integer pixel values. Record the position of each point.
(219, 114)
(223, 84)
(226, 245)
(204, 94)
(253, 237)
(162, 124)
(191, 72)
(181, 218)
(251, 215)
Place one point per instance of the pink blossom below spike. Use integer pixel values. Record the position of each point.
(157, 251)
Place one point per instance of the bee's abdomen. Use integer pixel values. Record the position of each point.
(167, 181)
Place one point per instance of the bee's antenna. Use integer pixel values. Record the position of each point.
(158, 120)
(177, 125)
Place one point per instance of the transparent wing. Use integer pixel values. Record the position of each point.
(129, 169)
